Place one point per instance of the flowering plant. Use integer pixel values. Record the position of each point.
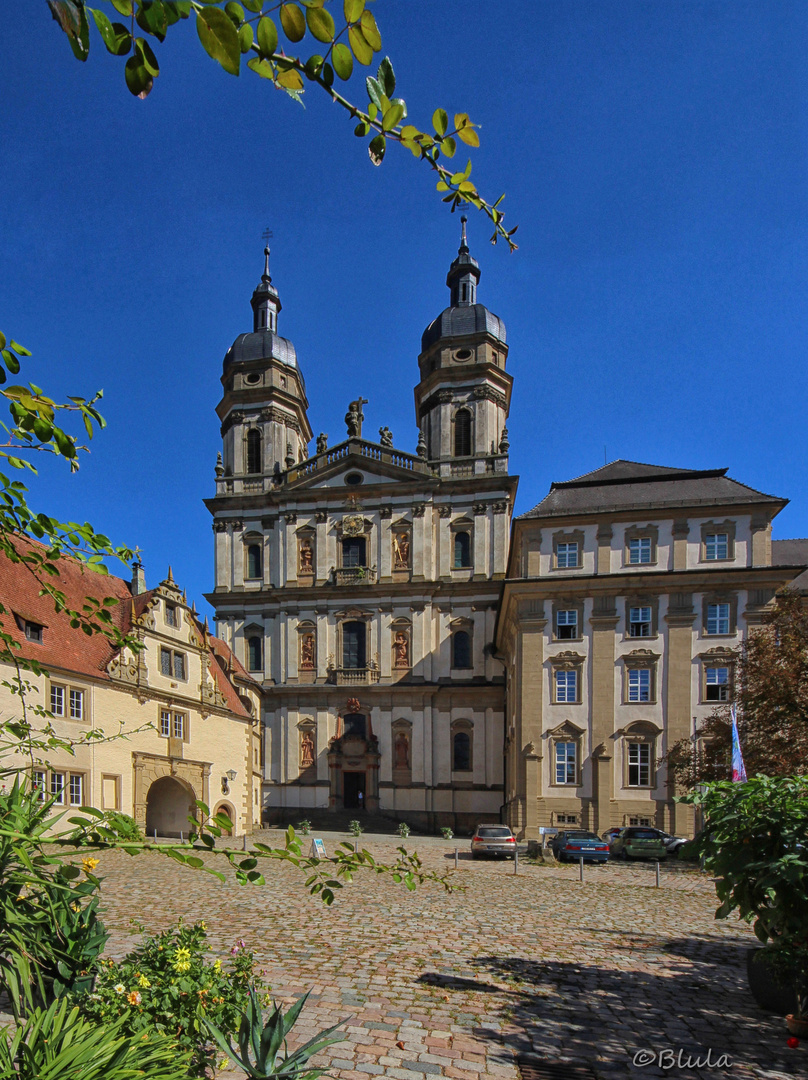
(170, 983)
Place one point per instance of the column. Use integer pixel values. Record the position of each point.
(679, 618)
(605, 534)
(529, 699)
(681, 530)
(603, 622)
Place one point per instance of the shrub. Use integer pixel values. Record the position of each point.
(124, 827)
(169, 985)
(304, 827)
(403, 829)
(447, 833)
(355, 828)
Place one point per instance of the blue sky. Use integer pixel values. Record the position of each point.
(653, 155)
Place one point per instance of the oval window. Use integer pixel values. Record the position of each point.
(354, 478)
(463, 354)
(253, 378)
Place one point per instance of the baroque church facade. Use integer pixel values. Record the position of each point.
(419, 657)
(360, 586)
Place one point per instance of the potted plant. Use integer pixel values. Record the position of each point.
(755, 843)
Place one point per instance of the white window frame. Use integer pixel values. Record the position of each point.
(165, 723)
(566, 762)
(641, 621)
(57, 787)
(721, 684)
(566, 679)
(39, 781)
(76, 703)
(639, 684)
(639, 751)
(567, 554)
(716, 546)
(719, 615)
(57, 698)
(563, 620)
(76, 785)
(642, 547)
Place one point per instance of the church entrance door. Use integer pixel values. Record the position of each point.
(354, 790)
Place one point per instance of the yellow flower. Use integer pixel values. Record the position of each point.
(182, 953)
(182, 965)
(143, 982)
(88, 865)
(217, 966)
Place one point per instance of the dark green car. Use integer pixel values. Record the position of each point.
(637, 842)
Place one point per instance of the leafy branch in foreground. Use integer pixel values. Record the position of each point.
(227, 32)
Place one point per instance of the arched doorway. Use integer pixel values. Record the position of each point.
(169, 804)
(227, 810)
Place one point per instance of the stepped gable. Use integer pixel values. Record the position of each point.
(630, 485)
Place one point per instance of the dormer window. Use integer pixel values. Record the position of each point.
(33, 632)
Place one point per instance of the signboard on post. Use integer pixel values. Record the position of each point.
(318, 849)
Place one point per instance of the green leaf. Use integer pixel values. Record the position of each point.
(219, 38)
(320, 24)
(151, 16)
(72, 17)
(293, 23)
(377, 148)
(235, 12)
(440, 121)
(262, 67)
(114, 35)
(138, 80)
(21, 349)
(359, 46)
(290, 79)
(448, 146)
(245, 38)
(387, 77)
(352, 9)
(375, 91)
(253, 5)
(12, 363)
(342, 58)
(370, 30)
(469, 136)
(123, 7)
(147, 57)
(267, 36)
(2, 340)
(392, 117)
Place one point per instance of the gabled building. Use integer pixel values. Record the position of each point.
(628, 590)
(180, 715)
(360, 585)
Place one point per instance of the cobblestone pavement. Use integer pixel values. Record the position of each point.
(460, 985)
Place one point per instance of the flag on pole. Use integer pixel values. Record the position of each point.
(738, 767)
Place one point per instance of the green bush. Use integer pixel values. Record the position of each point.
(403, 829)
(124, 827)
(447, 833)
(304, 827)
(58, 1044)
(355, 828)
(169, 985)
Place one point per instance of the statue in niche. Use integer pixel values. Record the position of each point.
(307, 749)
(307, 652)
(306, 556)
(354, 417)
(401, 648)
(322, 442)
(402, 756)
(385, 436)
(401, 551)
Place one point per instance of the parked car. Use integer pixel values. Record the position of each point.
(493, 840)
(638, 842)
(610, 834)
(672, 843)
(579, 844)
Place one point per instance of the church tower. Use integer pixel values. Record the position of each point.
(463, 397)
(265, 427)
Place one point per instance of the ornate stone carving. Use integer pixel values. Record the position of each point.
(321, 516)
(479, 509)
(385, 511)
(385, 436)
(354, 417)
(123, 669)
(219, 526)
(418, 509)
(290, 517)
(504, 442)
(353, 705)
(402, 752)
(306, 556)
(306, 749)
(445, 397)
(401, 649)
(445, 511)
(236, 525)
(322, 442)
(353, 525)
(401, 551)
(500, 508)
(307, 651)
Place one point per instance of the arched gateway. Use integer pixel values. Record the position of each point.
(169, 803)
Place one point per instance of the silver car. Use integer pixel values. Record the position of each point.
(493, 840)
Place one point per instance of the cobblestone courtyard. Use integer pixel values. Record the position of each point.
(536, 966)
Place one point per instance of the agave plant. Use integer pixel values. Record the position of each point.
(262, 1050)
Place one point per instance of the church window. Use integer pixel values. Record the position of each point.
(461, 649)
(353, 551)
(461, 752)
(462, 550)
(354, 642)
(462, 434)
(254, 451)
(254, 653)
(254, 561)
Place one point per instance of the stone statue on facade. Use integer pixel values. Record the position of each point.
(307, 652)
(322, 442)
(401, 648)
(354, 417)
(385, 436)
(306, 557)
(401, 551)
(402, 757)
(307, 750)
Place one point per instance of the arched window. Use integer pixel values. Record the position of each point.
(461, 752)
(461, 649)
(354, 645)
(254, 651)
(462, 550)
(462, 435)
(254, 561)
(254, 451)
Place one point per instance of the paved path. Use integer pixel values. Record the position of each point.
(460, 985)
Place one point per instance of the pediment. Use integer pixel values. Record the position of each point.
(368, 462)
